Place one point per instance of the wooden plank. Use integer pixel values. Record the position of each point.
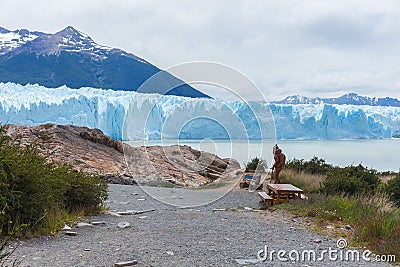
(266, 198)
(284, 188)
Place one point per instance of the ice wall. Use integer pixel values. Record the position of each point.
(152, 116)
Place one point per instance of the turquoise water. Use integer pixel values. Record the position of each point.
(382, 155)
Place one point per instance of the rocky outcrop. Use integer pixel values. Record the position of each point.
(180, 165)
(92, 151)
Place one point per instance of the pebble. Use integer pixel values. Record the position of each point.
(170, 253)
(126, 263)
(123, 225)
(70, 233)
(317, 240)
(98, 223)
(83, 224)
(66, 228)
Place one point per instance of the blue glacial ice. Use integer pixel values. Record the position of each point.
(130, 115)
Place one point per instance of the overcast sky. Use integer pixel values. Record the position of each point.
(311, 48)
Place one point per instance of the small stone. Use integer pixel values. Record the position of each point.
(317, 240)
(83, 224)
(98, 223)
(107, 212)
(219, 209)
(123, 225)
(181, 197)
(330, 227)
(126, 263)
(248, 208)
(170, 253)
(128, 212)
(66, 228)
(142, 217)
(141, 199)
(70, 233)
(347, 227)
(294, 220)
(86, 249)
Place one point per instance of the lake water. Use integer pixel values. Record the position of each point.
(382, 155)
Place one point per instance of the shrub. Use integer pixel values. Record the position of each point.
(314, 166)
(351, 180)
(33, 189)
(256, 164)
(393, 190)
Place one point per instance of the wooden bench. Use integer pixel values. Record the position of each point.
(284, 192)
(264, 197)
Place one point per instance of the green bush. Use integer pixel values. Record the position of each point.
(32, 189)
(392, 189)
(351, 180)
(313, 166)
(256, 164)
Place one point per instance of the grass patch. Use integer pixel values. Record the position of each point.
(363, 198)
(306, 181)
(374, 220)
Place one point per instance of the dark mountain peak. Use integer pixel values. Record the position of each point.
(4, 30)
(73, 34)
(23, 33)
(70, 29)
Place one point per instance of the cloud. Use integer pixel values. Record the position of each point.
(286, 46)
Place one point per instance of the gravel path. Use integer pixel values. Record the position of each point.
(175, 236)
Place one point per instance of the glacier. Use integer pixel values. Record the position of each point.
(127, 115)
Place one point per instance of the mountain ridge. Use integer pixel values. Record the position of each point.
(346, 99)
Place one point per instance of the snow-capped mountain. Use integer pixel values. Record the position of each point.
(70, 57)
(347, 99)
(10, 40)
(68, 40)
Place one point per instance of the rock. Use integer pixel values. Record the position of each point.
(107, 212)
(347, 227)
(86, 249)
(126, 263)
(142, 217)
(133, 212)
(123, 225)
(317, 240)
(219, 209)
(141, 199)
(246, 261)
(98, 223)
(170, 253)
(248, 208)
(85, 149)
(66, 228)
(83, 224)
(128, 212)
(70, 233)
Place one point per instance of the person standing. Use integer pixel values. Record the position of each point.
(279, 162)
